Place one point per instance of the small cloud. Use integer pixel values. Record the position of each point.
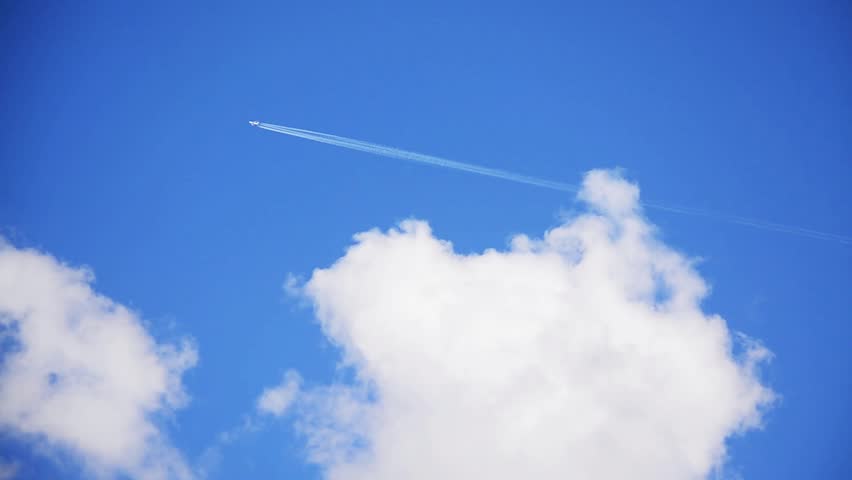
(293, 285)
(276, 400)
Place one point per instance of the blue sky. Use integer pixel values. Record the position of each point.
(126, 149)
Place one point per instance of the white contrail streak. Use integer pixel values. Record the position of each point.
(393, 152)
(415, 157)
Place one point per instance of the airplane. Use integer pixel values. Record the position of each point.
(254, 123)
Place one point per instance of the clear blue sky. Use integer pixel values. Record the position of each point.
(125, 147)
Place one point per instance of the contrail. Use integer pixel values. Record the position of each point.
(432, 160)
(392, 152)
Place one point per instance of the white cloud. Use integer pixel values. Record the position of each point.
(82, 373)
(602, 191)
(583, 354)
(275, 400)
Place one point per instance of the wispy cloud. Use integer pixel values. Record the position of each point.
(276, 400)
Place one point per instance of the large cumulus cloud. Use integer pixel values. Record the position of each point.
(582, 354)
(81, 373)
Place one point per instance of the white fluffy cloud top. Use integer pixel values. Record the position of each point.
(583, 354)
(81, 372)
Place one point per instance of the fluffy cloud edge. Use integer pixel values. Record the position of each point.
(82, 374)
(348, 426)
